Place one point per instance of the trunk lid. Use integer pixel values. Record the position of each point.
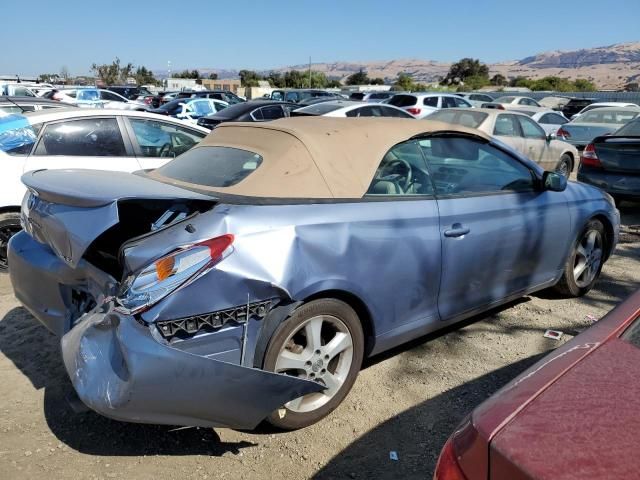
(621, 154)
(70, 209)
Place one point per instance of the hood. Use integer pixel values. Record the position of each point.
(70, 209)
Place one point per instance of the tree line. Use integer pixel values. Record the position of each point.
(466, 74)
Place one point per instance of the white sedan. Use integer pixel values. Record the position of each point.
(82, 138)
(345, 108)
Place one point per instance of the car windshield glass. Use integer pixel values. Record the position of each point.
(467, 118)
(17, 136)
(403, 100)
(317, 109)
(504, 100)
(631, 129)
(601, 115)
(212, 166)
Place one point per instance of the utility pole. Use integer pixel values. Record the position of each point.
(309, 72)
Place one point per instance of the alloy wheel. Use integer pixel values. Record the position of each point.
(320, 350)
(588, 258)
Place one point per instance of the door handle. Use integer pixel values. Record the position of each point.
(456, 230)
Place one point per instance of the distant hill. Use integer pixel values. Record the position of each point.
(608, 67)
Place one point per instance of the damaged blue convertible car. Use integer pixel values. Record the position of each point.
(247, 279)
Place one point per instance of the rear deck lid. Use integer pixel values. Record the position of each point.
(69, 209)
(584, 133)
(619, 153)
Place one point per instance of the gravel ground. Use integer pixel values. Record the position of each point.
(406, 401)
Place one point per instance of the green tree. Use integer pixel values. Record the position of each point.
(465, 68)
(583, 85)
(404, 82)
(249, 78)
(144, 76)
(377, 81)
(498, 80)
(475, 82)
(358, 78)
(213, 76)
(334, 83)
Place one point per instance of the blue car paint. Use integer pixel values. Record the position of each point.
(411, 278)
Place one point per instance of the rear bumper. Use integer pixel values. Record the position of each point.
(124, 370)
(46, 285)
(622, 185)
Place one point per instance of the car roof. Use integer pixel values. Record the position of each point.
(55, 114)
(314, 157)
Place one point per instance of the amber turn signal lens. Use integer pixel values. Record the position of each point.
(164, 267)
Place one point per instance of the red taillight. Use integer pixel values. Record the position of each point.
(589, 157)
(500, 106)
(562, 133)
(414, 111)
(218, 245)
(148, 100)
(447, 467)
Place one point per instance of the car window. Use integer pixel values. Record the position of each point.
(112, 97)
(403, 100)
(430, 102)
(200, 108)
(470, 119)
(291, 97)
(89, 137)
(526, 101)
(88, 95)
(162, 139)
(277, 95)
(465, 166)
(506, 125)
(11, 109)
(359, 112)
(393, 112)
(530, 129)
(460, 103)
(480, 98)
(402, 171)
(212, 166)
(217, 106)
(553, 119)
(272, 112)
(449, 102)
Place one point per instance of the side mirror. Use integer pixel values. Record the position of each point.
(551, 136)
(554, 181)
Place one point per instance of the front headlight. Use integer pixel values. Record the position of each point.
(142, 290)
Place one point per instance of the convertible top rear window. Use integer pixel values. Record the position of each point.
(212, 166)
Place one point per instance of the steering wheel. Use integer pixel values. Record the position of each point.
(389, 169)
(165, 150)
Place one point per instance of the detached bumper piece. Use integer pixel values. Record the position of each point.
(125, 371)
(189, 326)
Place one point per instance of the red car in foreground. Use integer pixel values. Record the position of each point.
(573, 415)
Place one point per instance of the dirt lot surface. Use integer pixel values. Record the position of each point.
(407, 401)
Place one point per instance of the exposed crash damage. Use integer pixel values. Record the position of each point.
(248, 278)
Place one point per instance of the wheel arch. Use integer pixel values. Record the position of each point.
(360, 307)
(609, 234)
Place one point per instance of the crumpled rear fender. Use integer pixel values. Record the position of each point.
(124, 370)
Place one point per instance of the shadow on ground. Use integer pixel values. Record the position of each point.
(417, 434)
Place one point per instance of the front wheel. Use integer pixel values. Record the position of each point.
(9, 226)
(322, 342)
(585, 261)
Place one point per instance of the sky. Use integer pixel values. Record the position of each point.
(262, 34)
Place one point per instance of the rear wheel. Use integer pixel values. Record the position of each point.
(322, 342)
(585, 261)
(9, 226)
(565, 165)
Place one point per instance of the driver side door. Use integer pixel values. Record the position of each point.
(155, 142)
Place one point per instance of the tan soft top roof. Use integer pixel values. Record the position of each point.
(314, 157)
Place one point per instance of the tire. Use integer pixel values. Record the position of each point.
(584, 259)
(9, 226)
(338, 322)
(565, 165)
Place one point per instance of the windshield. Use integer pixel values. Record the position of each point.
(504, 99)
(317, 109)
(631, 129)
(468, 118)
(601, 115)
(17, 135)
(212, 166)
